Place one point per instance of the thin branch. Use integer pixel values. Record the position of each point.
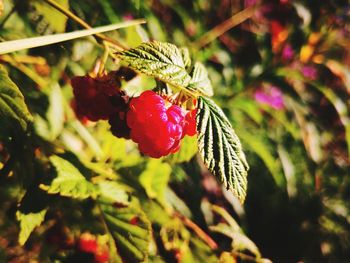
(225, 26)
(81, 22)
(200, 233)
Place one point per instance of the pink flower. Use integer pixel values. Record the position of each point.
(287, 52)
(271, 96)
(309, 72)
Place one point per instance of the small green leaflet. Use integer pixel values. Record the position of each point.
(54, 19)
(31, 212)
(163, 61)
(13, 110)
(185, 53)
(69, 181)
(200, 80)
(220, 147)
(155, 178)
(28, 222)
(169, 64)
(130, 229)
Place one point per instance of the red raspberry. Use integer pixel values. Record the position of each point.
(102, 255)
(96, 98)
(190, 123)
(156, 128)
(87, 243)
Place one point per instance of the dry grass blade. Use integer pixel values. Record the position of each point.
(15, 45)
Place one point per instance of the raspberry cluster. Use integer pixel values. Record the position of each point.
(156, 128)
(94, 96)
(156, 125)
(100, 98)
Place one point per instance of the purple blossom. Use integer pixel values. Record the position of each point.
(271, 96)
(287, 52)
(128, 17)
(309, 72)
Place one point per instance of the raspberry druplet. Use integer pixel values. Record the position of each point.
(190, 123)
(156, 128)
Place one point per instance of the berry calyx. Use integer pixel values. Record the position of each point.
(156, 128)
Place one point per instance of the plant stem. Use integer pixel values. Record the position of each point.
(104, 59)
(41, 82)
(200, 233)
(225, 26)
(81, 22)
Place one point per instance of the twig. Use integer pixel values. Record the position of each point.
(245, 256)
(204, 236)
(225, 26)
(27, 71)
(83, 23)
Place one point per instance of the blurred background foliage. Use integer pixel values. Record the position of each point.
(282, 77)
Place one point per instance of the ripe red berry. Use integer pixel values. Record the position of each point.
(87, 243)
(190, 123)
(118, 124)
(102, 255)
(156, 128)
(96, 98)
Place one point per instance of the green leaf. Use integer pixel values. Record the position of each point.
(55, 113)
(31, 212)
(163, 61)
(232, 230)
(200, 82)
(55, 19)
(110, 191)
(261, 146)
(130, 229)
(51, 128)
(69, 181)
(185, 53)
(14, 113)
(220, 147)
(187, 150)
(154, 178)
(15, 45)
(28, 222)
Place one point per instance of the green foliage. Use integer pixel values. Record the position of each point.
(130, 229)
(54, 115)
(155, 179)
(69, 181)
(14, 113)
(28, 222)
(220, 148)
(283, 87)
(231, 229)
(163, 61)
(55, 20)
(200, 80)
(187, 151)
